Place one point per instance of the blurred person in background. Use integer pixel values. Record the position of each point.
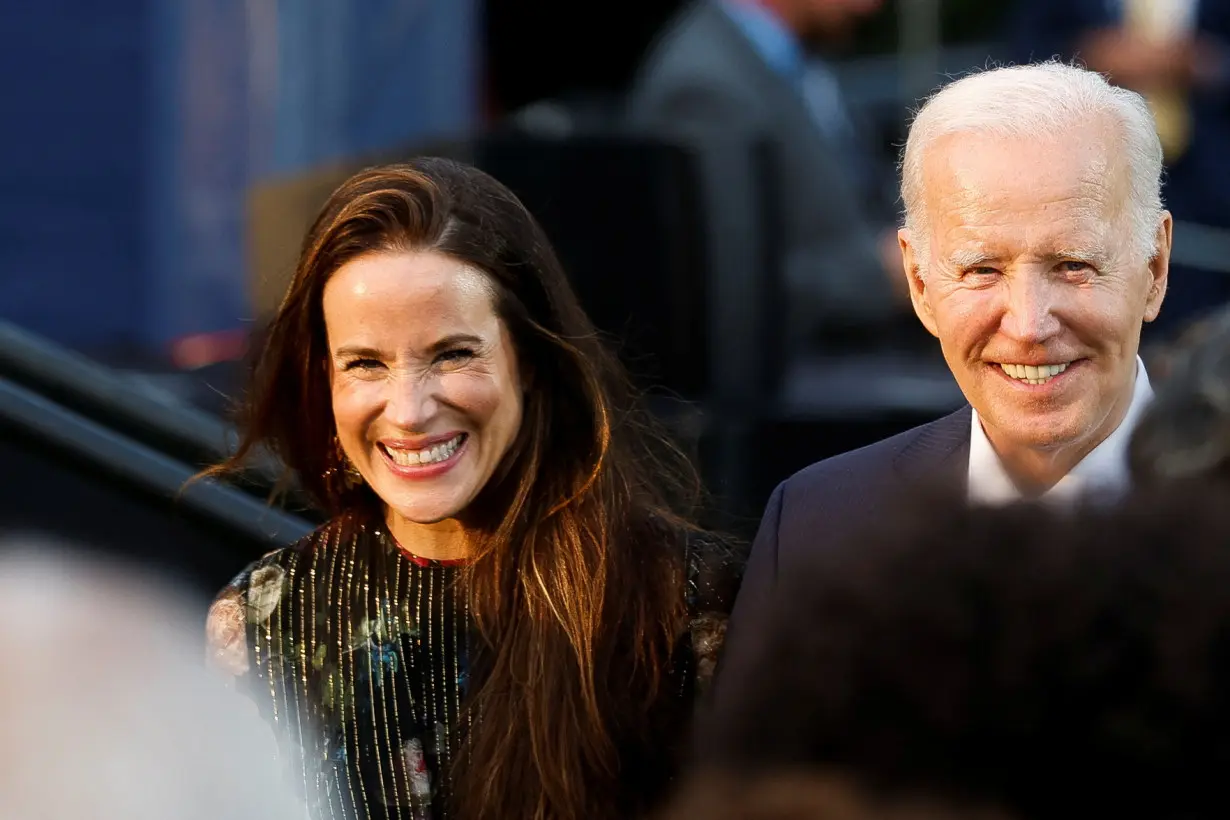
(738, 72)
(1184, 435)
(1177, 54)
(1035, 247)
(105, 707)
(510, 611)
(961, 661)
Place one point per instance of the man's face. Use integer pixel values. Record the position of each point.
(1030, 283)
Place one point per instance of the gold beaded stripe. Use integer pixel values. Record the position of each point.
(358, 654)
(361, 662)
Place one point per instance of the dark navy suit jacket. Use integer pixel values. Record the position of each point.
(824, 504)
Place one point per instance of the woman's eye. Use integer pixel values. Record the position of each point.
(456, 356)
(362, 364)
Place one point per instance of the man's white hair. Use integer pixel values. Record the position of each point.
(1040, 101)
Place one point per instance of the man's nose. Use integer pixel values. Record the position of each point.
(1029, 317)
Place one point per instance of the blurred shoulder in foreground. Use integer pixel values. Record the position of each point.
(1057, 662)
(108, 711)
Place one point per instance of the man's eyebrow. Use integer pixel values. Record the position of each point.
(969, 258)
(1079, 253)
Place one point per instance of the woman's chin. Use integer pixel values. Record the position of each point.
(425, 512)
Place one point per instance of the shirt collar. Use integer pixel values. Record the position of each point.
(1104, 468)
(776, 44)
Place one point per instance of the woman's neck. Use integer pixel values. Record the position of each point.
(442, 541)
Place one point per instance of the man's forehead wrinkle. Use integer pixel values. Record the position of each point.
(1088, 201)
(1066, 233)
(1041, 204)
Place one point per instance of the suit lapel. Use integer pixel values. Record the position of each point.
(938, 450)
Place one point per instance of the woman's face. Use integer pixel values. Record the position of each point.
(426, 391)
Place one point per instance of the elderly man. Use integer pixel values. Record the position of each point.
(1035, 246)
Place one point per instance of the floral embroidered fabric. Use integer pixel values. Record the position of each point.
(359, 656)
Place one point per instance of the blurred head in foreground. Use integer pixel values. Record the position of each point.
(811, 794)
(1185, 432)
(1042, 663)
(106, 709)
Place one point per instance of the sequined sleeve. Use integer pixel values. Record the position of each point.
(225, 629)
(248, 599)
(714, 573)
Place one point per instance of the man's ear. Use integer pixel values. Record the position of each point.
(1159, 267)
(912, 261)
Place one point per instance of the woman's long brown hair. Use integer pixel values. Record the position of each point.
(577, 583)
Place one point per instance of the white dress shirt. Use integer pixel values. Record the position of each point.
(1105, 468)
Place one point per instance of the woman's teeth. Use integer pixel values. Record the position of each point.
(428, 455)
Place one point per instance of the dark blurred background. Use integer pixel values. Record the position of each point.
(163, 158)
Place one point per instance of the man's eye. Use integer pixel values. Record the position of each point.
(1074, 266)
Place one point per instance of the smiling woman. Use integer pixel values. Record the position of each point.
(509, 612)
(426, 409)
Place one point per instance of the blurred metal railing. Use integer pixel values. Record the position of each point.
(121, 401)
(49, 424)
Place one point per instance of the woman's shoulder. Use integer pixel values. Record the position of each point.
(276, 562)
(714, 567)
(254, 593)
(714, 571)
(712, 562)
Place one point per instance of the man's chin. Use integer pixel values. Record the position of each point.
(1040, 430)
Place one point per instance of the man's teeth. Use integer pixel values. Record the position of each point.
(1040, 374)
(429, 455)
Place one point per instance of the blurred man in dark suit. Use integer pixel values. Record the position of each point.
(734, 72)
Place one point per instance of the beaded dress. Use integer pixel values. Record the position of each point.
(359, 655)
